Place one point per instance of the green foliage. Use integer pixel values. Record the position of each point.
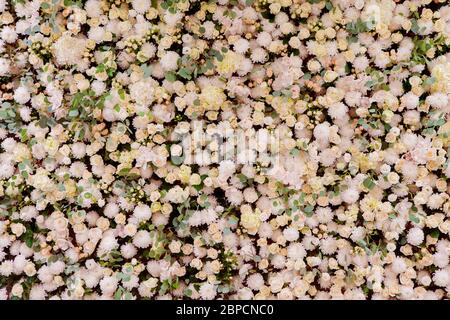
(359, 26)
(228, 265)
(369, 183)
(83, 104)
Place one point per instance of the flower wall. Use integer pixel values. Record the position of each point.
(224, 149)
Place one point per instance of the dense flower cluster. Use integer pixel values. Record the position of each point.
(224, 149)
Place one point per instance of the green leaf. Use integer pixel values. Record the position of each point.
(146, 70)
(308, 210)
(118, 294)
(242, 178)
(124, 171)
(23, 135)
(413, 218)
(188, 292)
(170, 76)
(368, 183)
(73, 113)
(435, 233)
(121, 94)
(177, 160)
(185, 73)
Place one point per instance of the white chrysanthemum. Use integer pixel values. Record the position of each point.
(207, 291)
(141, 6)
(143, 92)
(435, 201)
(440, 259)
(234, 196)
(3, 5)
(22, 95)
(241, 45)
(108, 285)
(322, 132)
(128, 250)
(28, 212)
(437, 100)
(108, 243)
(415, 236)
(169, 61)
(79, 150)
(255, 281)
(398, 265)
(97, 34)
(6, 268)
(350, 195)
(69, 50)
(6, 170)
(264, 39)
(328, 245)
(258, 55)
(93, 8)
(296, 251)
(142, 239)
(226, 169)
(338, 110)
(77, 168)
(410, 100)
(111, 210)
(25, 113)
(291, 234)
(8, 34)
(441, 277)
(37, 292)
(149, 50)
(324, 214)
(142, 212)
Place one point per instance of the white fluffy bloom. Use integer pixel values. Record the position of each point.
(415, 236)
(108, 285)
(128, 251)
(350, 195)
(338, 110)
(22, 95)
(410, 100)
(142, 212)
(259, 55)
(169, 61)
(398, 265)
(37, 292)
(241, 45)
(141, 6)
(8, 34)
(111, 210)
(264, 39)
(296, 251)
(442, 277)
(291, 234)
(28, 212)
(207, 291)
(226, 169)
(142, 239)
(69, 50)
(4, 67)
(255, 281)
